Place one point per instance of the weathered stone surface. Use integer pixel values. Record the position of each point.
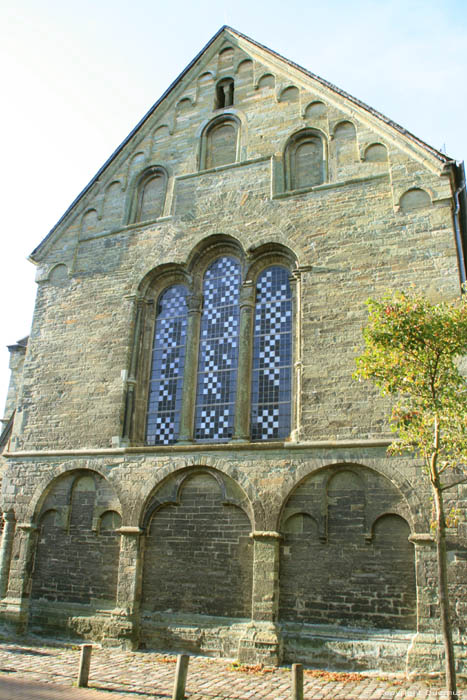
(236, 548)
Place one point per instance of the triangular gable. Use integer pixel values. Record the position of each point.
(259, 52)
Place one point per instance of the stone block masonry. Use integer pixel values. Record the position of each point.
(203, 475)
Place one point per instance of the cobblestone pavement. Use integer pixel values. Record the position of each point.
(142, 675)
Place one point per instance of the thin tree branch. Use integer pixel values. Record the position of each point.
(454, 483)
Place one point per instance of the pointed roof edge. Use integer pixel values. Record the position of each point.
(379, 115)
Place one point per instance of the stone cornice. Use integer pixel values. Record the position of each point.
(208, 447)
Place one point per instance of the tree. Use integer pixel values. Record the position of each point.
(413, 351)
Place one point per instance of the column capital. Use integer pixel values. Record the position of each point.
(27, 527)
(423, 538)
(129, 530)
(265, 534)
(9, 516)
(194, 303)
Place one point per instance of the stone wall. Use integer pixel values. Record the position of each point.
(241, 548)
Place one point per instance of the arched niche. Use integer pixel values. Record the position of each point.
(148, 195)
(345, 143)
(304, 159)
(316, 110)
(74, 567)
(219, 142)
(289, 95)
(89, 222)
(358, 570)
(376, 153)
(414, 199)
(226, 58)
(267, 82)
(197, 539)
(113, 203)
(58, 276)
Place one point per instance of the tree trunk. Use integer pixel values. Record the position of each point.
(443, 592)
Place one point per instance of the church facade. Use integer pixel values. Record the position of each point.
(187, 462)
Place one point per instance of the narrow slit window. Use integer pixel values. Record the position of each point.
(168, 362)
(272, 356)
(218, 351)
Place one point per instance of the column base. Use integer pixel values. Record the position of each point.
(261, 644)
(426, 654)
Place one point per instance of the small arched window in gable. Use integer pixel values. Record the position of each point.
(167, 367)
(220, 147)
(151, 195)
(224, 93)
(272, 356)
(304, 164)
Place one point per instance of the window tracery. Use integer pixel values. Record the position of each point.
(222, 358)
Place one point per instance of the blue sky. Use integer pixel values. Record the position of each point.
(78, 75)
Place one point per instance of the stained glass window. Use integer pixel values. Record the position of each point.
(272, 356)
(168, 361)
(218, 351)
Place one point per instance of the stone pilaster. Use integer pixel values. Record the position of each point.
(129, 584)
(19, 592)
(262, 641)
(5, 551)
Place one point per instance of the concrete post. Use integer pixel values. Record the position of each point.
(181, 673)
(245, 360)
(5, 551)
(84, 665)
(187, 412)
(297, 682)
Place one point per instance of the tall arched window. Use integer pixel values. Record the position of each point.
(272, 356)
(167, 368)
(218, 351)
(304, 160)
(222, 360)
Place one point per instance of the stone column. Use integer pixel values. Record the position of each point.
(187, 413)
(262, 642)
(128, 586)
(245, 361)
(5, 551)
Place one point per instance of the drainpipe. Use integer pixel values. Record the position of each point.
(460, 219)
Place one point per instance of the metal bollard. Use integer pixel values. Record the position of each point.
(181, 672)
(84, 664)
(297, 682)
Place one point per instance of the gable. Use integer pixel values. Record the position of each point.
(274, 100)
